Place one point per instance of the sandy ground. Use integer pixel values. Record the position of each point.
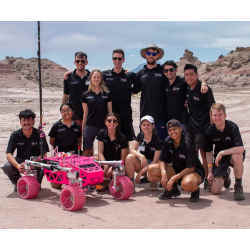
(143, 209)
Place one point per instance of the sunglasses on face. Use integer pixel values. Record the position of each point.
(80, 61)
(112, 120)
(117, 58)
(169, 70)
(148, 53)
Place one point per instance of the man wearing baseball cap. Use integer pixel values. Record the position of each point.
(179, 164)
(150, 81)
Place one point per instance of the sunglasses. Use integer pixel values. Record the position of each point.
(112, 120)
(80, 61)
(148, 53)
(169, 70)
(117, 58)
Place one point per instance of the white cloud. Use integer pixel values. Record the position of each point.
(73, 40)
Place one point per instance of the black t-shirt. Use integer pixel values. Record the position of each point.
(97, 107)
(66, 138)
(121, 87)
(182, 157)
(199, 107)
(112, 149)
(175, 99)
(151, 83)
(26, 147)
(228, 138)
(148, 149)
(75, 86)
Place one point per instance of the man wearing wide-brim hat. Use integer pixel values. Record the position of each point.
(150, 81)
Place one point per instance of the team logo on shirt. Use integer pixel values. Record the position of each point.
(216, 139)
(87, 82)
(20, 143)
(61, 130)
(109, 79)
(34, 143)
(76, 130)
(228, 139)
(74, 82)
(182, 156)
(123, 80)
(144, 76)
(157, 74)
(153, 148)
(176, 89)
(90, 97)
(196, 98)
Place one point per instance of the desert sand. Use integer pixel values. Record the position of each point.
(143, 210)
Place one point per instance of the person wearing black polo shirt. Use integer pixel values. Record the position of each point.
(112, 144)
(65, 134)
(178, 164)
(175, 93)
(96, 103)
(228, 151)
(121, 86)
(151, 82)
(75, 84)
(27, 143)
(198, 106)
(145, 151)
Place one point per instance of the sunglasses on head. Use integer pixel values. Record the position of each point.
(169, 70)
(78, 61)
(112, 120)
(117, 58)
(148, 53)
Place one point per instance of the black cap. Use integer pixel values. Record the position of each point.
(173, 123)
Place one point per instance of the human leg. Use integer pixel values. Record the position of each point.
(132, 165)
(12, 173)
(89, 135)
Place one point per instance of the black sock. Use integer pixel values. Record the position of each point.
(238, 182)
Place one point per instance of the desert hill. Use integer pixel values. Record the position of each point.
(231, 70)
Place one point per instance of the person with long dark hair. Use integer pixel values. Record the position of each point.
(112, 144)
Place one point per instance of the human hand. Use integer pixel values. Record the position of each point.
(170, 183)
(210, 177)
(137, 178)
(204, 88)
(218, 158)
(21, 167)
(164, 180)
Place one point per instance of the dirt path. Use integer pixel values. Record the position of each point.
(143, 210)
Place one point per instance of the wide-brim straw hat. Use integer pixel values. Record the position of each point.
(155, 47)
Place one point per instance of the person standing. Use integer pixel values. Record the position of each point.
(228, 151)
(75, 84)
(96, 103)
(150, 81)
(121, 86)
(198, 106)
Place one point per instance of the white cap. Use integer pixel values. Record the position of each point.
(148, 118)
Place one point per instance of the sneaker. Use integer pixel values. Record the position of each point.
(195, 196)
(165, 195)
(144, 180)
(207, 185)
(227, 179)
(238, 193)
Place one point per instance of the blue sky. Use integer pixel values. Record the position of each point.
(59, 40)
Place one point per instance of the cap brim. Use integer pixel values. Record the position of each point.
(160, 54)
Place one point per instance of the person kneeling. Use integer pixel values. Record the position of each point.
(178, 164)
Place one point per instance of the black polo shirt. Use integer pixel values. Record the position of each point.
(26, 147)
(75, 86)
(228, 138)
(148, 149)
(97, 107)
(199, 107)
(66, 138)
(175, 99)
(151, 83)
(121, 87)
(112, 149)
(182, 157)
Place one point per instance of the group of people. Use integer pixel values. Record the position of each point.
(179, 119)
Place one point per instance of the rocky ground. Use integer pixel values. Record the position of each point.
(143, 209)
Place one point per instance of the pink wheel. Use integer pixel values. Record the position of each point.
(124, 188)
(72, 198)
(28, 187)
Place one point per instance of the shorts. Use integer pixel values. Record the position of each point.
(224, 164)
(199, 140)
(89, 135)
(127, 129)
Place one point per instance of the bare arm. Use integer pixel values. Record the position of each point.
(11, 159)
(52, 141)
(156, 156)
(100, 151)
(85, 115)
(124, 154)
(109, 107)
(65, 99)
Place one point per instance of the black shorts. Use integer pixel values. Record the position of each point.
(224, 164)
(199, 140)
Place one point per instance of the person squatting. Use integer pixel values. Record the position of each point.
(179, 119)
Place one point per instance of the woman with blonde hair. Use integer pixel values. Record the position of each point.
(96, 103)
